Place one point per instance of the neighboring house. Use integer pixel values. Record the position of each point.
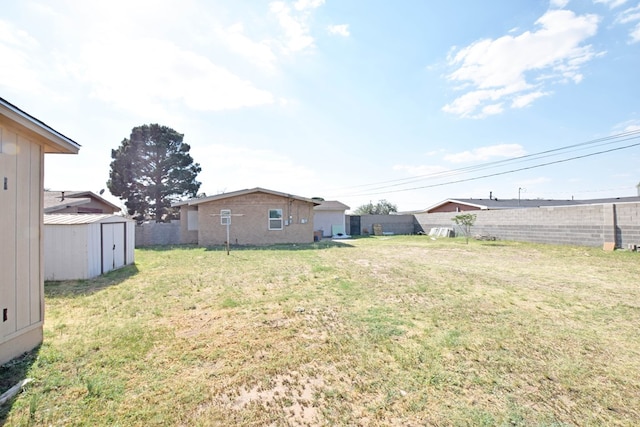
(465, 205)
(257, 217)
(23, 142)
(83, 246)
(77, 202)
(329, 216)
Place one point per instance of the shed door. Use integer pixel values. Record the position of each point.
(113, 246)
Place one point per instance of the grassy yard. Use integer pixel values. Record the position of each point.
(397, 330)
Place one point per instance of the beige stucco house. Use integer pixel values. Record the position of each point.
(23, 142)
(257, 217)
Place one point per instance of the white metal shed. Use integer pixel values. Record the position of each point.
(83, 246)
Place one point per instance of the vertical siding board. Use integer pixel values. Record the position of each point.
(36, 285)
(9, 210)
(93, 251)
(23, 234)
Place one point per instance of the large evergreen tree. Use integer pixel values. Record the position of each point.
(152, 169)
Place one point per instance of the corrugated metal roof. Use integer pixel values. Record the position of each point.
(75, 219)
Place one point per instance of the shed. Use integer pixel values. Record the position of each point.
(329, 216)
(83, 246)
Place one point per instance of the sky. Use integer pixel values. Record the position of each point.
(410, 101)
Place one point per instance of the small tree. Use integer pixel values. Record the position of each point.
(152, 169)
(383, 207)
(464, 223)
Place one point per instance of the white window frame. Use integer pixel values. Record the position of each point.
(280, 218)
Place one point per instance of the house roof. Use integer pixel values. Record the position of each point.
(495, 203)
(54, 141)
(331, 205)
(58, 200)
(76, 219)
(195, 202)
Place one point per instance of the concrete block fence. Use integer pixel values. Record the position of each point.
(584, 225)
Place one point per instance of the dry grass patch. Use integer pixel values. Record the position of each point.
(379, 331)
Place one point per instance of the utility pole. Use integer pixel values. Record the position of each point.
(520, 189)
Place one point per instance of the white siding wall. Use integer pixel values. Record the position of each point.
(67, 252)
(21, 286)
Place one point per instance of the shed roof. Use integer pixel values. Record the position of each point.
(195, 202)
(76, 219)
(54, 141)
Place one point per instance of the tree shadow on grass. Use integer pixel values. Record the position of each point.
(87, 287)
(12, 373)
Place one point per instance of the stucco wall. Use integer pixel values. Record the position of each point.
(250, 222)
(586, 225)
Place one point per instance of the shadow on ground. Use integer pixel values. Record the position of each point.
(11, 373)
(87, 287)
(323, 244)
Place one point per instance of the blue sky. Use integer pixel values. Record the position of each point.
(353, 100)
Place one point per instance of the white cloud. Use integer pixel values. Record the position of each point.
(611, 3)
(487, 153)
(17, 47)
(516, 68)
(259, 53)
(133, 76)
(308, 4)
(527, 99)
(631, 15)
(559, 4)
(341, 30)
(294, 25)
(234, 168)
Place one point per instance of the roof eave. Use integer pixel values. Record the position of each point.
(54, 141)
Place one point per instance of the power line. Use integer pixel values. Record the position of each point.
(608, 140)
(503, 172)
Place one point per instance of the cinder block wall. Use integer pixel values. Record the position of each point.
(586, 225)
(396, 224)
(156, 233)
